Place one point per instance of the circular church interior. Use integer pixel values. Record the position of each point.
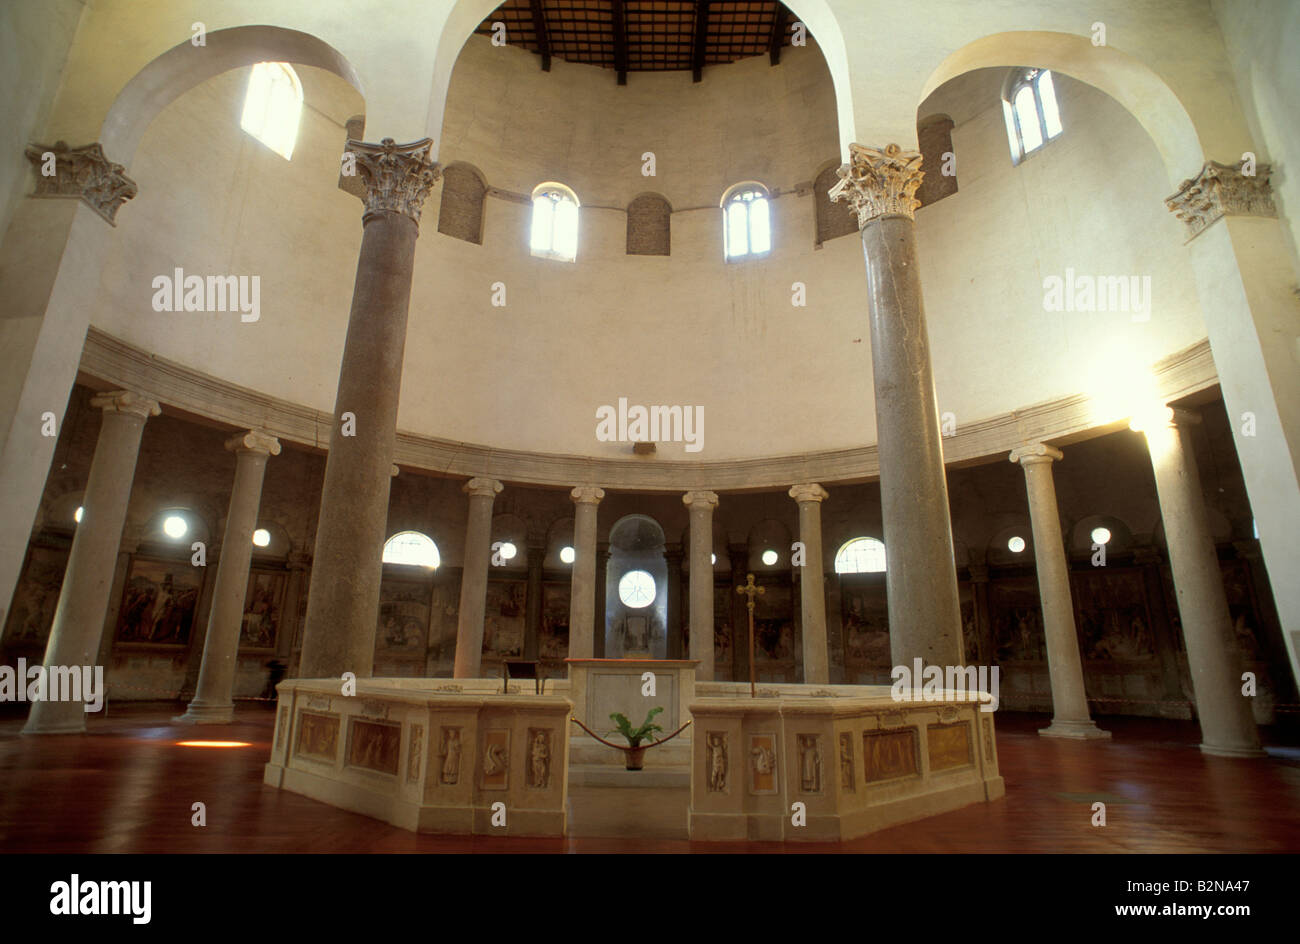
(576, 426)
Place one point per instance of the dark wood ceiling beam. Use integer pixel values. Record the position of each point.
(701, 38)
(543, 37)
(780, 20)
(620, 41)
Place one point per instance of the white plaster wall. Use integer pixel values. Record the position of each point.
(35, 36)
(1263, 44)
(688, 329)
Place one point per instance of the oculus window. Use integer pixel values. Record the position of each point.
(1029, 107)
(746, 221)
(636, 589)
(555, 223)
(273, 106)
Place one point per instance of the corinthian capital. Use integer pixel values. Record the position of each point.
(879, 183)
(82, 172)
(396, 177)
(1219, 191)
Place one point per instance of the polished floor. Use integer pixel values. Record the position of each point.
(129, 787)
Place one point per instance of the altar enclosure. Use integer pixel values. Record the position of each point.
(445, 761)
(856, 763)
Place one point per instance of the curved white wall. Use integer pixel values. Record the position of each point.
(687, 329)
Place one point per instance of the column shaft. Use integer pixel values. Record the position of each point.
(347, 565)
(1227, 723)
(1070, 718)
(582, 595)
(673, 559)
(213, 699)
(812, 586)
(701, 505)
(79, 616)
(474, 577)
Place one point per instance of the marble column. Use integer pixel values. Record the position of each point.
(812, 583)
(673, 559)
(701, 505)
(533, 601)
(347, 564)
(921, 580)
(79, 616)
(1227, 722)
(51, 256)
(582, 596)
(1070, 717)
(474, 576)
(213, 702)
(602, 588)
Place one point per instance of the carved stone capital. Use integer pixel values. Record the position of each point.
(482, 488)
(587, 494)
(397, 177)
(1220, 190)
(1032, 453)
(126, 401)
(256, 441)
(879, 183)
(811, 492)
(82, 172)
(705, 500)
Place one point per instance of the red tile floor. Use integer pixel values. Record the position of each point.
(128, 787)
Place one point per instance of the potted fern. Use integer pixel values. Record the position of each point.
(634, 753)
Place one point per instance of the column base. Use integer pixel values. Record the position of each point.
(1075, 730)
(1217, 751)
(56, 727)
(206, 714)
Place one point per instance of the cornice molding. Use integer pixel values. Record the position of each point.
(118, 365)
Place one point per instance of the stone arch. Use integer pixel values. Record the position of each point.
(185, 66)
(1127, 80)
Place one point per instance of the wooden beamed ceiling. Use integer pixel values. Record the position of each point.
(644, 35)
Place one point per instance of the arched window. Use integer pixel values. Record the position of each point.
(555, 223)
(1029, 106)
(746, 221)
(273, 106)
(861, 556)
(412, 548)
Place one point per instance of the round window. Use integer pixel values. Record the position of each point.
(636, 589)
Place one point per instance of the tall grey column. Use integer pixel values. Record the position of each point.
(474, 575)
(673, 558)
(921, 579)
(1227, 723)
(343, 602)
(1070, 717)
(533, 600)
(88, 580)
(212, 702)
(701, 505)
(582, 596)
(812, 583)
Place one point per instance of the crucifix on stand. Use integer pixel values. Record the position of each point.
(750, 590)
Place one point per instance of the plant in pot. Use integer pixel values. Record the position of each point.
(634, 752)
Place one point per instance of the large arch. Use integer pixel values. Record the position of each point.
(1131, 83)
(185, 66)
